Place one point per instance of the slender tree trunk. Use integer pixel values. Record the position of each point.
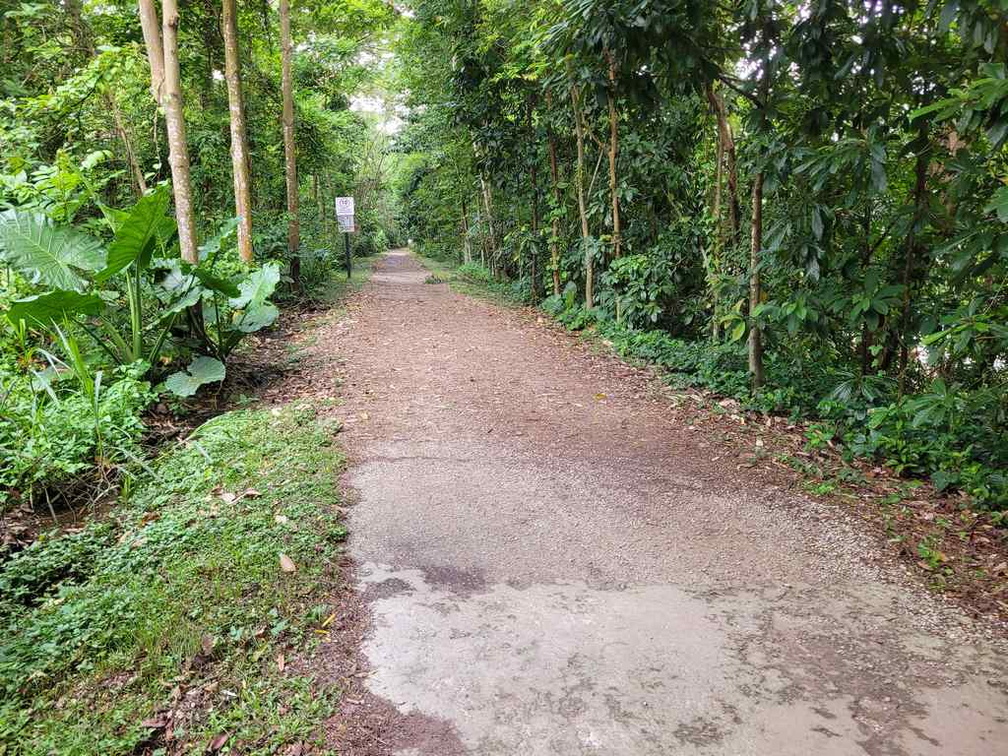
(151, 27)
(139, 183)
(534, 181)
(726, 146)
(491, 230)
(290, 160)
(617, 242)
(589, 260)
(920, 198)
(162, 51)
(466, 243)
(558, 198)
(755, 285)
(239, 140)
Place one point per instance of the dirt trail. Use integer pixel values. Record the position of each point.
(556, 563)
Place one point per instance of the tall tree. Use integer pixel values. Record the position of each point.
(166, 86)
(239, 140)
(290, 158)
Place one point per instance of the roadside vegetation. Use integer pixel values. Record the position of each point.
(167, 186)
(800, 207)
(167, 623)
(157, 207)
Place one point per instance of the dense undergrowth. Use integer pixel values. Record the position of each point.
(163, 622)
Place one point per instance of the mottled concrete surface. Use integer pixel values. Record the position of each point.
(555, 566)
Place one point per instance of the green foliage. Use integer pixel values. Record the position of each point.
(54, 430)
(47, 254)
(201, 370)
(883, 228)
(182, 586)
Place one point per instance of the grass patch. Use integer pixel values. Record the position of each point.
(474, 280)
(337, 286)
(162, 625)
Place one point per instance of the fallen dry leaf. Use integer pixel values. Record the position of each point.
(218, 742)
(281, 662)
(287, 564)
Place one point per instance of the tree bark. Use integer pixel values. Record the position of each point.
(920, 198)
(466, 244)
(139, 183)
(491, 230)
(558, 198)
(162, 51)
(239, 139)
(617, 242)
(151, 28)
(755, 285)
(589, 261)
(290, 159)
(534, 181)
(726, 148)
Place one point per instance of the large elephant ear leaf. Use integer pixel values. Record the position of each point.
(137, 234)
(53, 307)
(258, 287)
(201, 370)
(47, 254)
(256, 317)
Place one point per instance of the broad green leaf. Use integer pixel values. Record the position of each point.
(54, 306)
(134, 240)
(257, 317)
(47, 254)
(201, 370)
(999, 204)
(258, 287)
(216, 283)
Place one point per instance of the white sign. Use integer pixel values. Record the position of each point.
(345, 214)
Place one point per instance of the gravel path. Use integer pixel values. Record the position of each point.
(556, 563)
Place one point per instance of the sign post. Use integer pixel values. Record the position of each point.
(345, 221)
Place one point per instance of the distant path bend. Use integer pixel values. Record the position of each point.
(557, 564)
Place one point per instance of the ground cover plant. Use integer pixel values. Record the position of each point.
(166, 623)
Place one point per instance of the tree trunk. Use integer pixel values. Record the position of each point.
(589, 261)
(491, 231)
(139, 184)
(726, 147)
(755, 294)
(466, 244)
(920, 198)
(151, 27)
(162, 51)
(239, 140)
(617, 243)
(558, 198)
(290, 160)
(534, 181)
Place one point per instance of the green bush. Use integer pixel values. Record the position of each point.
(48, 436)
